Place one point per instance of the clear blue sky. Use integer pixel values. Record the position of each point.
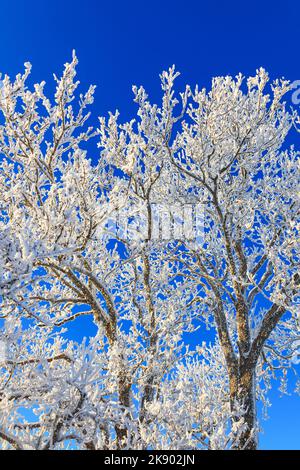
(120, 43)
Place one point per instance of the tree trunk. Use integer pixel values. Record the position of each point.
(242, 396)
(124, 399)
(124, 390)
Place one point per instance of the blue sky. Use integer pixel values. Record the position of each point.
(120, 43)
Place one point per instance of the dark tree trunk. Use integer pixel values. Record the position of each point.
(242, 395)
(124, 399)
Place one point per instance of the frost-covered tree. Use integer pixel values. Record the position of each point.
(230, 150)
(80, 237)
(59, 263)
(228, 153)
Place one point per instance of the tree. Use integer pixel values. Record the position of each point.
(83, 237)
(58, 264)
(230, 152)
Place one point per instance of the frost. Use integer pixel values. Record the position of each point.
(137, 382)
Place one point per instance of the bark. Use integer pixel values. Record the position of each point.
(242, 397)
(124, 387)
(149, 388)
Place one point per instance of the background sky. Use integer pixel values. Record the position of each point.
(120, 43)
